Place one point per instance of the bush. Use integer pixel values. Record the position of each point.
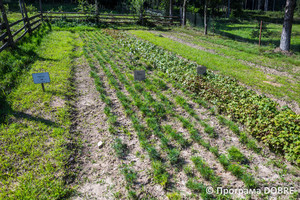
(265, 32)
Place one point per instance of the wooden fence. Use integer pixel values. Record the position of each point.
(8, 37)
(113, 18)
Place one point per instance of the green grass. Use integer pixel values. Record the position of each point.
(34, 142)
(226, 66)
(237, 50)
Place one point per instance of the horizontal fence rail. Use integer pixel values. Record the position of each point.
(113, 18)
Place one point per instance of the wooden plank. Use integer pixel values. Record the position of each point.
(18, 31)
(41, 9)
(59, 13)
(117, 18)
(17, 40)
(33, 17)
(4, 35)
(36, 27)
(93, 14)
(15, 23)
(155, 16)
(68, 16)
(111, 18)
(37, 21)
(26, 17)
(4, 47)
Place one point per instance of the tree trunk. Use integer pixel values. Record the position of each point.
(259, 5)
(228, 9)
(141, 19)
(184, 13)
(253, 2)
(170, 7)
(287, 25)
(274, 2)
(205, 17)
(266, 5)
(97, 7)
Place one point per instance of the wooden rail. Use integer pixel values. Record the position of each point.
(10, 37)
(113, 18)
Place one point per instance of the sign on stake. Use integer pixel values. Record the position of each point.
(41, 78)
(139, 75)
(201, 70)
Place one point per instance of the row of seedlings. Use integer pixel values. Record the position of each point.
(120, 148)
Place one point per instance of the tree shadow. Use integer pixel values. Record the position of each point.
(7, 110)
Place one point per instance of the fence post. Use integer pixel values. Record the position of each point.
(26, 18)
(5, 20)
(97, 11)
(41, 9)
(260, 32)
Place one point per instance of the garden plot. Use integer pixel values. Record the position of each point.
(160, 140)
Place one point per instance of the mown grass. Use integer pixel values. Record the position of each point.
(242, 30)
(36, 140)
(248, 75)
(240, 51)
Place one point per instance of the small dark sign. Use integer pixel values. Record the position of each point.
(139, 75)
(41, 78)
(201, 70)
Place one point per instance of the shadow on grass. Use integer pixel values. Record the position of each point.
(222, 27)
(7, 110)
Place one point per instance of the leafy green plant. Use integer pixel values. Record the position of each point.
(206, 171)
(265, 31)
(160, 174)
(120, 148)
(130, 175)
(236, 155)
(174, 156)
(174, 196)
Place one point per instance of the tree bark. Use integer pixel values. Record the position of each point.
(97, 7)
(228, 9)
(259, 5)
(170, 7)
(266, 5)
(184, 13)
(285, 41)
(205, 17)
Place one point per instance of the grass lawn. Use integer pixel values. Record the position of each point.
(34, 141)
